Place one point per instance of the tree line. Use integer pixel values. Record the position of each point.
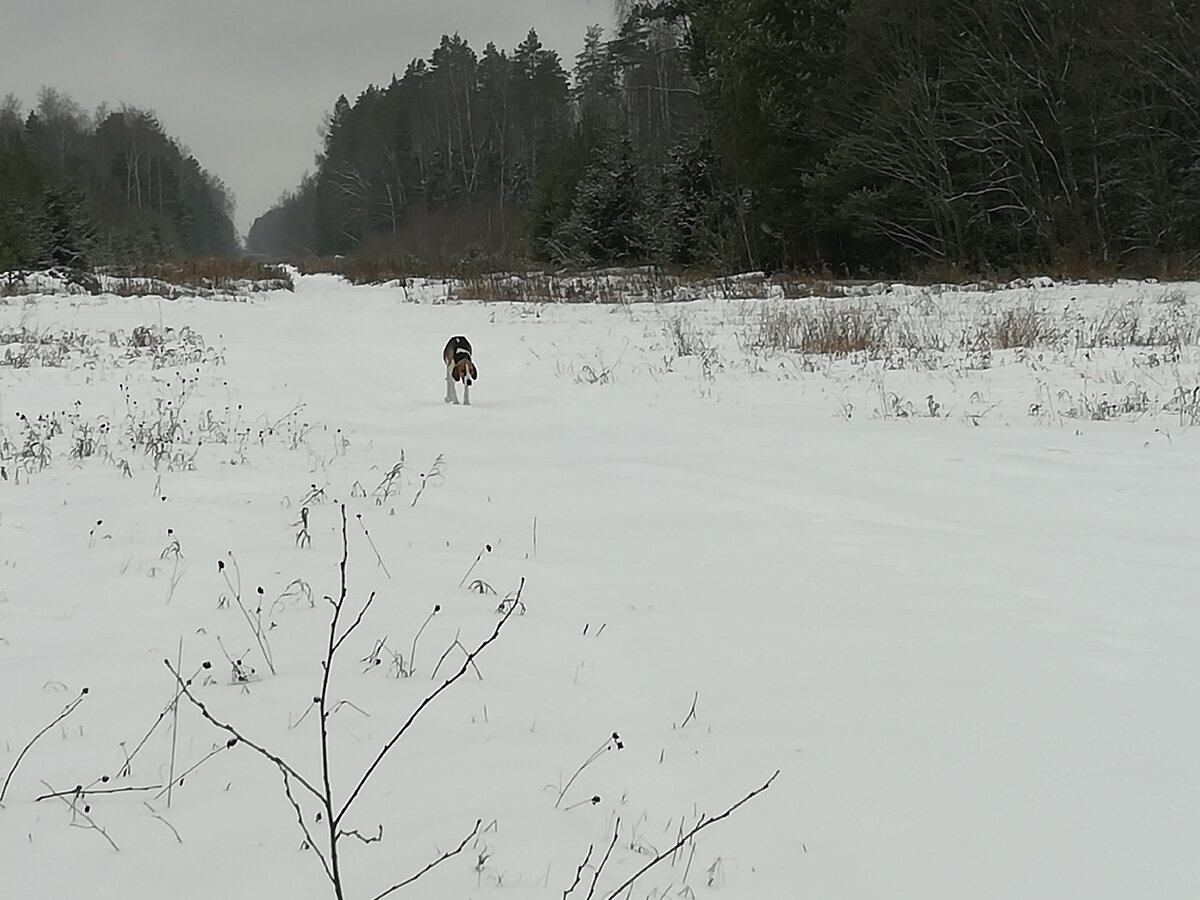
(79, 190)
(852, 135)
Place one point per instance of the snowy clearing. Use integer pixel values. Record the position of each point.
(946, 584)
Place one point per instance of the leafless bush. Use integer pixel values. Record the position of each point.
(317, 799)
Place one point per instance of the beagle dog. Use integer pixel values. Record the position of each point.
(459, 367)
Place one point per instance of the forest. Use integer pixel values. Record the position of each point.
(79, 190)
(848, 137)
(852, 136)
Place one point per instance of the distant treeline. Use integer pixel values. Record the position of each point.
(78, 190)
(854, 135)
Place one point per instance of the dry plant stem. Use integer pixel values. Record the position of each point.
(81, 792)
(76, 811)
(691, 712)
(229, 729)
(126, 769)
(174, 728)
(155, 814)
(437, 862)
(474, 564)
(374, 549)
(67, 710)
(462, 670)
(205, 758)
(412, 651)
(596, 754)
(700, 826)
(255, 629)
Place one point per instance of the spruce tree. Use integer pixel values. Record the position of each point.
(65, 233)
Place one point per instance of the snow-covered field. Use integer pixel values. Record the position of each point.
(951, 595)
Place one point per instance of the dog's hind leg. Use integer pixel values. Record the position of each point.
(466, 395)
(451, 394)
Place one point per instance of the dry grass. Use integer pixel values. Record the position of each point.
(646, 284)
(837, 329)
(384, 267)
(1022, 326)
(883, 328)
(219, 275)
(504, 278)
(605, 286)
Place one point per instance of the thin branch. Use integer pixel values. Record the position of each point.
(579, 871)
(335, 872)
(604, 862)
(355, 833)
(261, 751)
(421, 708)
(703, 823)
(357, 621)
(437, 862)
(308, 838)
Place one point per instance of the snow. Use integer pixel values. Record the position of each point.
(968, 642)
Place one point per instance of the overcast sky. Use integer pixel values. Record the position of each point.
(244, 83)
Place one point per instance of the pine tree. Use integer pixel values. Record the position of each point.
(597, 93)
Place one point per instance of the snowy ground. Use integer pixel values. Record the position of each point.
(968, 640)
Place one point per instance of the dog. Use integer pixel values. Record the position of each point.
(459, 367)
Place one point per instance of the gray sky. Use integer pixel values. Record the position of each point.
(244, 83)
